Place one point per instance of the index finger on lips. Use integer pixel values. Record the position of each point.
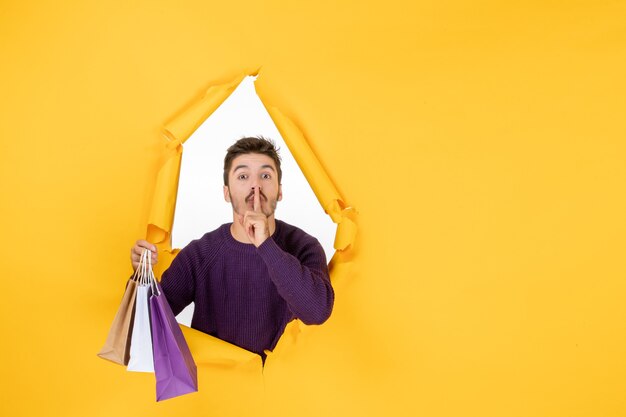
(257, 199)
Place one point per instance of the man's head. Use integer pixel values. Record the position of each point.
(252, 163)
(248, 145)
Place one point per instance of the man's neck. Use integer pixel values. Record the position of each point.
(239, 233)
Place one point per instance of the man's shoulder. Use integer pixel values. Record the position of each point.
(297, 242)
(202, 251)
(209, 242)
(291, 234)
(216, 235)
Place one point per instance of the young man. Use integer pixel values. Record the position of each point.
(249, 278)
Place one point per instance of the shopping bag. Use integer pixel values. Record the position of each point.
(174, 368)
(141, 359)
(117, 346)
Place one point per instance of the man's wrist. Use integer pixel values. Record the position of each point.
(265, 239)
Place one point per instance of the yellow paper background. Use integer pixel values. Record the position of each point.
(483, 144)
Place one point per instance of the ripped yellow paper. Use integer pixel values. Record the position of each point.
(212, 351)
(176, 132)
(318, 179)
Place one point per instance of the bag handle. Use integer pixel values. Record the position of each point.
(138, 274)
(141, 274)
(145, 255)
(151, 278)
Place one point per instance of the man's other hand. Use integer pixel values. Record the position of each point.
(137, 250)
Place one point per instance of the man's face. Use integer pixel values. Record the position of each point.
(247, 172)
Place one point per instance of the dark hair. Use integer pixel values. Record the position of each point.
(248, 145)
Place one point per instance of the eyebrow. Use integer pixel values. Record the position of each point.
(246, 166)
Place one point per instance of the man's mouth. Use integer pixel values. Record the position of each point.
(250, 198)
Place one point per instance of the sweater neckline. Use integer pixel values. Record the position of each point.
(246, 247)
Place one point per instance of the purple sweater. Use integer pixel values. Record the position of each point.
(247, 295)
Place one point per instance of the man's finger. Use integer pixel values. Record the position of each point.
(147, 245)
(142, 245)
(138, 251)
(257, 199)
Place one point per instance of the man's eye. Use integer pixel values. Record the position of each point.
(242, 177)
(266, 176)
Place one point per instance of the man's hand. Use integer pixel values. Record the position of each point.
(137, 250)
(255, 222)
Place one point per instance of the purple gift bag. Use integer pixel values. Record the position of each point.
(174, 368)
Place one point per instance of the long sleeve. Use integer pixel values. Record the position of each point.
(303, 281)
(178, 282)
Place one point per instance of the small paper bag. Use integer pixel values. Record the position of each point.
(174, 367)
(141, 359)
(117, 346)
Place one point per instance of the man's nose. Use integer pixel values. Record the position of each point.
(253, 189)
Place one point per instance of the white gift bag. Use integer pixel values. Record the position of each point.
(141, 342)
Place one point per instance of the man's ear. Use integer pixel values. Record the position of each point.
(280, 192)
(226, 194)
